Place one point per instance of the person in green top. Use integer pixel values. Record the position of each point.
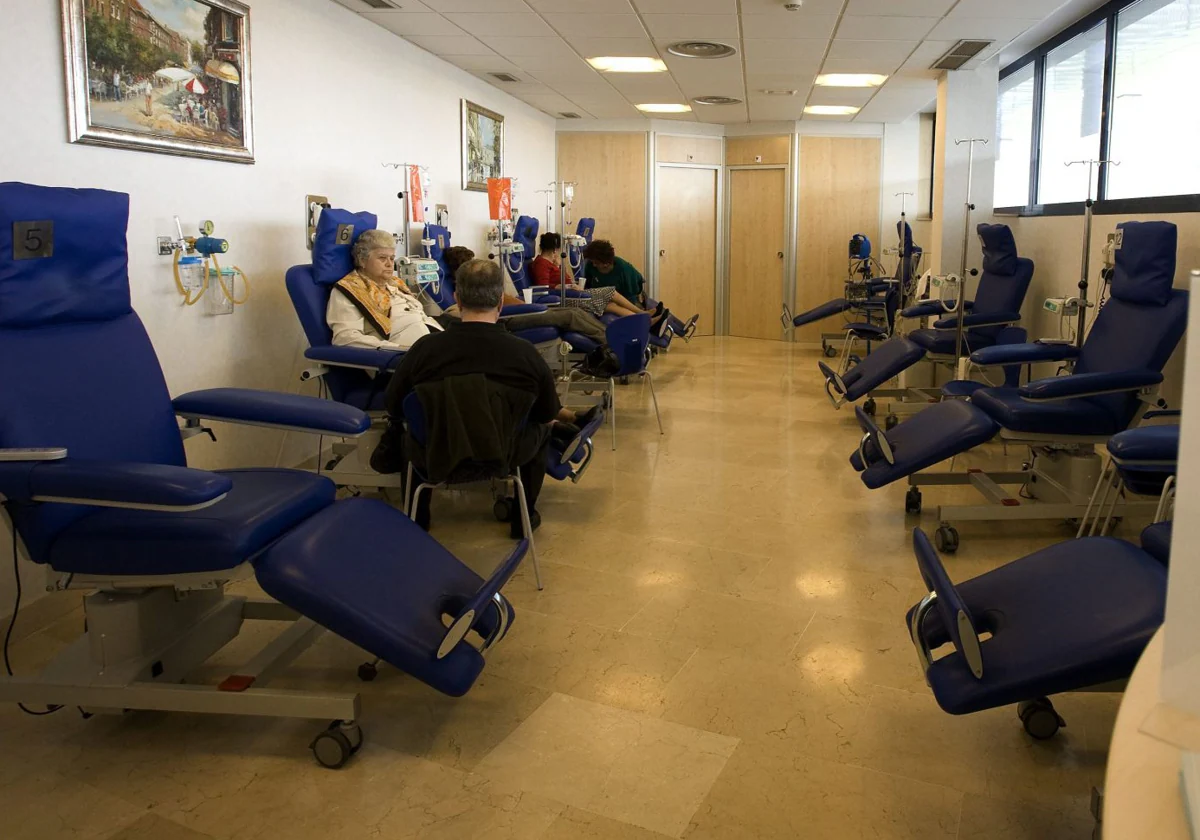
(605, 268)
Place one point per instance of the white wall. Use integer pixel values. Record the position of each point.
(335, 96)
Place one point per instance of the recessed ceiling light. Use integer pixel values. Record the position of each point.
(717, 100)
(778, 92)
(628, 64)
(851, 80)
(701, 49)
(665, 108)
(831, 110)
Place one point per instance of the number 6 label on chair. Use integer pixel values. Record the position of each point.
(33, 240)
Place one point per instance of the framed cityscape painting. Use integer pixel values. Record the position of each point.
(482, 146)
(169, 76)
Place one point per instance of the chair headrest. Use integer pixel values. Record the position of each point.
(63, 256)
(1145, 262)
(441, 240)
(525, 232)
(586, 228)
(999, 249)
(336, 232)
(904, 231)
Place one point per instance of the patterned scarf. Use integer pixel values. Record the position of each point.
(371, 298)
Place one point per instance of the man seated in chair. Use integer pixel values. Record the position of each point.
(605, 269)
(562, 318)
(368, 307)
(479, 345)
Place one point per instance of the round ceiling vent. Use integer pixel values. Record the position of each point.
(717, 100)
(701, 49)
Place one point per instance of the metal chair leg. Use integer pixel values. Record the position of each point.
(654, 397)
(408, 489)
(519, 492)
(612, 410)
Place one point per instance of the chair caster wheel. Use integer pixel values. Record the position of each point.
(912, 501)
(946, 539)
(1039, 718)
(502, 510)
(890, 422)
(869, 406)
(853, 360)
(337, 744)
(332, 463)
(830, 352)
(368, 671)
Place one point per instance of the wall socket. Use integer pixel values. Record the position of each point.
(166, 246)
(312, 210)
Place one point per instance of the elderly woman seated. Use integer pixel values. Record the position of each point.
(369, 308)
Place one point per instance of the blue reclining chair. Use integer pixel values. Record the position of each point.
(1141, 461)
(1072, 617)
(629, 340)
(440, 237)
(94, 477)
(1061, 419)
(997, 306)
(353, 376)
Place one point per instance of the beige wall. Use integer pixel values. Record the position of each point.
(1055, 245)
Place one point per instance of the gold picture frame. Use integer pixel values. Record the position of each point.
(482, 146)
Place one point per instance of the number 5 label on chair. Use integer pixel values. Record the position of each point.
(33, 240)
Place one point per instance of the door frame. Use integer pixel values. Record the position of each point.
(720, 273)
(786, 289)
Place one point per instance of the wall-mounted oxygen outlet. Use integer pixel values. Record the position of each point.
(166, 246)
(442, 215)
(313, 204)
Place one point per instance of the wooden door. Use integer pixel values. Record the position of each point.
(839, 197)
(687, 242)
(757, 204)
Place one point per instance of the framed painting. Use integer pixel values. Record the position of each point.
(482, 146)
(170, 76)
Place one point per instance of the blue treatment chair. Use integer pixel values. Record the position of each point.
(1141, 461)
(353, 376)
(997, 305)
(94, 477)
(1156, 541)
(1061, 419)
(1072, 617)
(440, 237)
(629, 339)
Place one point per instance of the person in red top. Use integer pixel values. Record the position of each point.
(545, 271)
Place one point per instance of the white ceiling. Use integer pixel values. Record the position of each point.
(544, 43)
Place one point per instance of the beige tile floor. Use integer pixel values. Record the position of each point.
(719, 654)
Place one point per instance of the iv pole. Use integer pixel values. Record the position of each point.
(962, 287)
(1087, 241)
(902, 269)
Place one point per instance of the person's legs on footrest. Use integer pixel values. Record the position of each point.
(530, 458)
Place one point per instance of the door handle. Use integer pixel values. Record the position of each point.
(662, 253)
(780, 255)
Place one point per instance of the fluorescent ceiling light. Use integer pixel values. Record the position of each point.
(628, 64)
(831, 110)
(665, 108)
(850, 80)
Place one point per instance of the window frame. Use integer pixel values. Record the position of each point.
(1102, 205)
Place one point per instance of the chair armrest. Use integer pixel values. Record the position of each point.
(474, 609)
(979, 319)
(266, 408)
(367, 358)
(874, 444)
(1089, 385)
(522, 309)
(1024, 354)
(112, 484)
(927, 308)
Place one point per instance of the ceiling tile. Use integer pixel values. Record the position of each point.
(775, 8)
(860, 64)
(695, 7)
(774, 81)
(490, 63)
(785, 49)
(515, 88)
(593, 47)
(417, 23)
(688, 117)
(954, 28)
(579, 7)
(360, 6)
(732, 86)
(474, 6)
(771, 108)
(722, 113)
(598, 26)
(450, 45)
(693, 27)
(543, 47)
(502, 25)
(550, 102)
(540, 63)
(841, 96)
(894, 53)
(610, 111)
(580, 73)
(1026, 9)
(913, 8)
(788, 26)
(827, 118)
(661, 89)
(885, 28)
(926, 53)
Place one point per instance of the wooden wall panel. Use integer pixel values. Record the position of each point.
(742, 150)
(839, 197)
(610, 171)
(673, 149)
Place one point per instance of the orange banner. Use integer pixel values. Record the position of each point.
(416, 196)
(500, 199)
